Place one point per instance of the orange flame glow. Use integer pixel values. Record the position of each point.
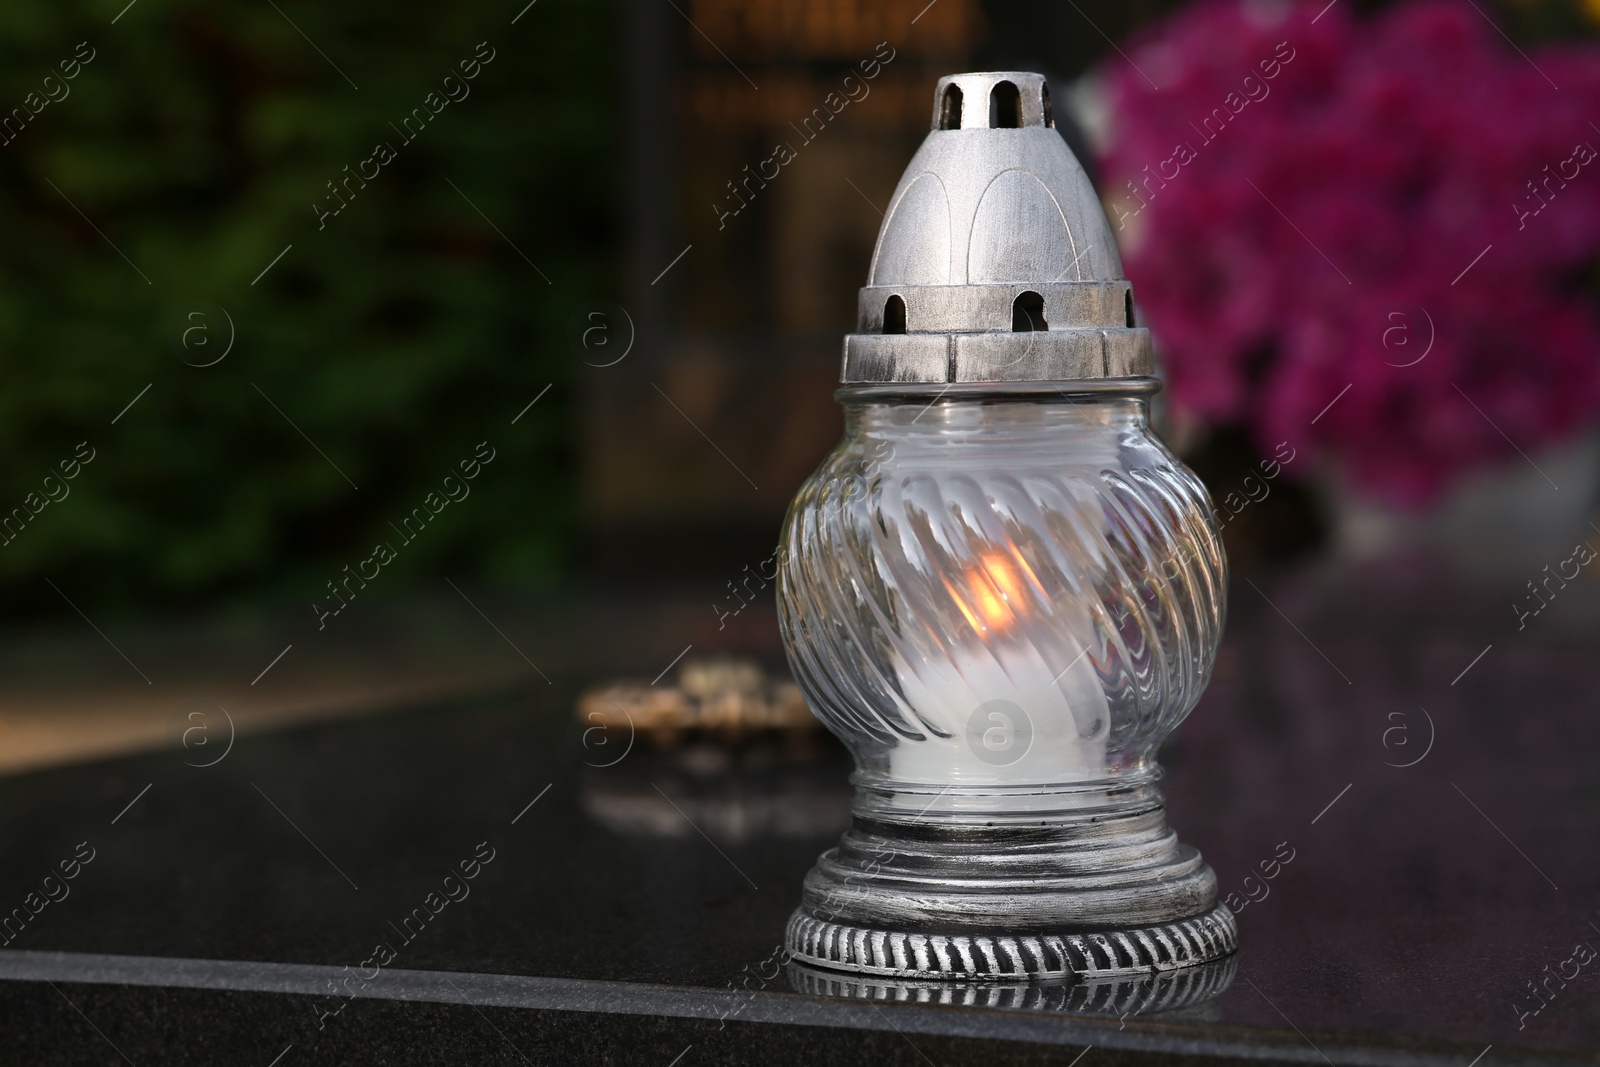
(993, 591)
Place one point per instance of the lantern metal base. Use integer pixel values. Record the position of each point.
(1062, 898)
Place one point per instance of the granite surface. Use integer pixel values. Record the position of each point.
(1426, 767)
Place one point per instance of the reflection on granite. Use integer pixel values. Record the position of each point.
(1419, 917)
(732, 795)
(1425, 896)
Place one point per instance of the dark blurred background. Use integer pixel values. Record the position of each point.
(538, 228)
(272, 274)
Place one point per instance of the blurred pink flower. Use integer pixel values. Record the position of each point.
(1299, 204)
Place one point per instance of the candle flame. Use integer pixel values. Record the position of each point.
(993, 591)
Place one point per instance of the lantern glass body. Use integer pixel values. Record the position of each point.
(1002, 603)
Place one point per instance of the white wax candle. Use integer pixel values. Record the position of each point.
(1011, 717)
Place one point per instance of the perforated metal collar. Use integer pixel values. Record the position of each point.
(995, 262)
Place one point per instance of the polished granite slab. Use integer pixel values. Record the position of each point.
(1414, 772)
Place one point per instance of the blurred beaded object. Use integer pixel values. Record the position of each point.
(726, 699)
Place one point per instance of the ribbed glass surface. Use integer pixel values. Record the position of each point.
(1013, 598)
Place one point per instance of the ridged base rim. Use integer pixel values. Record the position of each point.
(1025, 957)
(1185, 991)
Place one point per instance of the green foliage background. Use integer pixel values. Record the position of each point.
(397, 338)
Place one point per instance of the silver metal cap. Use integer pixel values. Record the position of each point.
(995, 262)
